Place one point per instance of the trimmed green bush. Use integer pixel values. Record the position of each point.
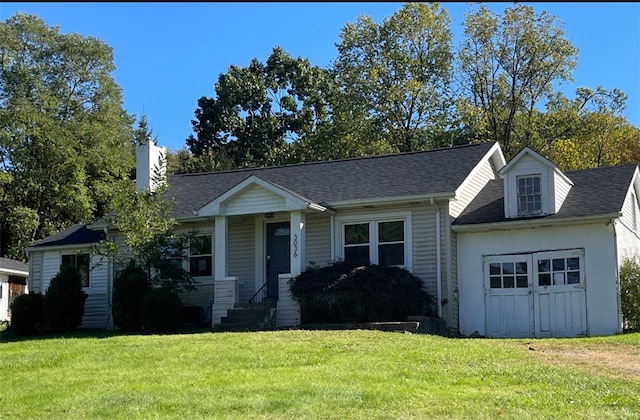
(27, 313)
(129, 286)
(630, 293)
(348, 292)
(161, 310)
(64, 300)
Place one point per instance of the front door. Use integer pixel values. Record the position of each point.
(278, 260)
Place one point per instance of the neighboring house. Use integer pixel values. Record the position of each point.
(432, 213)
(13, 283)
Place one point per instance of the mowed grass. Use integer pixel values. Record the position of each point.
(306, 374)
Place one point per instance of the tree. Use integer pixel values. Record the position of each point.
(588, 131)
(64, 300)
(396, 76)
(258, 111)
(150, 237)
(64, 136)
(510, 64)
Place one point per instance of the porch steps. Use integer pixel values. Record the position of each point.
(248, 317)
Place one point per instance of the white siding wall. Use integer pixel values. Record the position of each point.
(562, 188)
(424, 247)
(600, 269)
(471, 187)
(628, 235)
(4, 297)
(241, 256)
(97, 309)
(527, 166)
(318, 238)
(255, 197)
(35, 271)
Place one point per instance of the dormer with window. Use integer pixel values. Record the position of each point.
(533, 186)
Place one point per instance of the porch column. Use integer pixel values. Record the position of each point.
(298, 229)
(224, 293)
(221, 227)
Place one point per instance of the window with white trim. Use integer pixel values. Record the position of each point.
(558, 271)
(508, 275)
(529, 195)
(200, 256)
(381, 242)
(81, 263)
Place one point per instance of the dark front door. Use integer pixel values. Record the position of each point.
(278, 259)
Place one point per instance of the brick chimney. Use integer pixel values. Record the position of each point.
(150, 162)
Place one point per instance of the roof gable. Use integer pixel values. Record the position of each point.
(255, 195)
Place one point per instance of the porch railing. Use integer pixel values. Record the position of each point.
(262, 308)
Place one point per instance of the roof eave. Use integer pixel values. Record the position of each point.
(529, 223)
(390, 200)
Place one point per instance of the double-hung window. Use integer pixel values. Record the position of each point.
(382, 242)
(200, 256)
(81, 263)
(529, 195)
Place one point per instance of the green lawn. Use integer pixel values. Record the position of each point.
(314, 374)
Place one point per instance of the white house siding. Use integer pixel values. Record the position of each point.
(562, 189)
(454, 302)
(627, 231)
(255, 197)
(97, 307)
(97, 310)
(35, 271)
(528, 165)
(474, 183)
(241, 256)
(599, 269)
(318, 240)
(424, 246)
(4, 297)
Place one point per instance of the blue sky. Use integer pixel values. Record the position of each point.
(167, 55)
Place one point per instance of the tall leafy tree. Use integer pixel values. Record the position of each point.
(588, 131)
(258, 111)
(396, 76)
(510, 65)
(65, 140)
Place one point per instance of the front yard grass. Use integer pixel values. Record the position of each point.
(314, 374)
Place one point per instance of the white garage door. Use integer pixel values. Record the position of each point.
(535, 295)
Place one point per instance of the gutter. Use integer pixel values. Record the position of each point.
(529, 223)
(438, 257)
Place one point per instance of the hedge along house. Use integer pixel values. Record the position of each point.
(13, 283)
(258, 228)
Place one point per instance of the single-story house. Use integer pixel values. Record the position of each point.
(13, 283)
(507, 249)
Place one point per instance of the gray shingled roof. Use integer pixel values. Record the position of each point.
(9, 264)
(431, 172)
(73, 235)
(595, 192)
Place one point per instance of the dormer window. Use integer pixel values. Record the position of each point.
(529, 195)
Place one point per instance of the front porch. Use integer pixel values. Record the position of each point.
(259, 244)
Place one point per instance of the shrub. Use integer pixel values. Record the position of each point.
(27, 313)
(630, 293)
(348, 292)
(64, 300)
(161, 310)
(129, 286)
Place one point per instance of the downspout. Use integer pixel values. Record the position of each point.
(617, 273)
(438, 260)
